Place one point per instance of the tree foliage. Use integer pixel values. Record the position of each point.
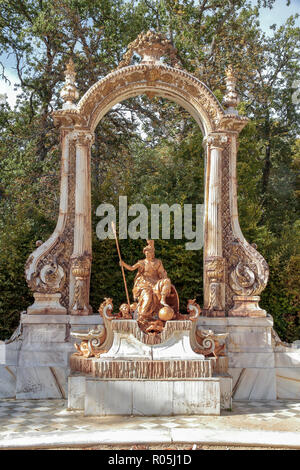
(149, 150)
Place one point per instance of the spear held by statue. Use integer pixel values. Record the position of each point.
(122, 268)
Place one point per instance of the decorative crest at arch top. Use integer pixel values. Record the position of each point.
(151, 47)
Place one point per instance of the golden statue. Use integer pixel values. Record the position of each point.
(153, 291)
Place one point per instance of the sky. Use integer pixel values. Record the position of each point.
(278, 15)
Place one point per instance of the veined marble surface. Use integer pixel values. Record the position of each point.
(147, 397)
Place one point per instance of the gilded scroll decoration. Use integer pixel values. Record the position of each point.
(210, 343)
(91, 341)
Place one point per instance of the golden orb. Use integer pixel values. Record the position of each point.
(166, 313)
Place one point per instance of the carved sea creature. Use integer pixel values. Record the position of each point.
(154, 327)
(90, 341)
(106, 309)
(210, 343)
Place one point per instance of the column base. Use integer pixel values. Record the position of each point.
(83, 313)
(213, 313)
(46, 304)
(246, 306)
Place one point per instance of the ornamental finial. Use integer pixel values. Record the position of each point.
(231, 99)
(151, 46)
(69, 91)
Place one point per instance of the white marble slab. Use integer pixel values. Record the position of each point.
(235, 321)
(50, 333)
(7, 381)
(253, 384)
(54, 319)
(151, 397)
(287, 358)
(41, 382)
(85, 320)
(76, 392)
(249, 339)
(196, 397)
(288, 383)
(12, 353)
(108, 398)
(2, 352)
(251, 359)
(178, 346)
(43, 319)
(126, 346)
(234, 373)
(225, 392)
(44, 358)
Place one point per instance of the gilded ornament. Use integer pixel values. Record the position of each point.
(152, 290)
(210, 343)
(151, 47)
(193, 309)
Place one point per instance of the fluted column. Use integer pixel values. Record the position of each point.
(82, 251)
(214, 263)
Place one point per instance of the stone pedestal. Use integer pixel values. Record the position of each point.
(35, 362)
(143, 374)
(45, 304)
(250, 353)
(100, 397)
(246, 306)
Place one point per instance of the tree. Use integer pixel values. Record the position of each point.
(209, 34)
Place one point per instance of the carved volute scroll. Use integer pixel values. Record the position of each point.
(246, 270)
(234, 272)
(47, 269)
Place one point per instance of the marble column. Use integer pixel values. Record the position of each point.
(214, 263)
(45, 269)
(82, 251)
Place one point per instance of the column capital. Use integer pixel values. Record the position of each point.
(83, 137)
(217, 141)
(215, 268)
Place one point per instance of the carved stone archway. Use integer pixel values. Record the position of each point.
(58, 271)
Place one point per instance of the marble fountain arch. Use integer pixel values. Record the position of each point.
(39, 356)
(58, 271)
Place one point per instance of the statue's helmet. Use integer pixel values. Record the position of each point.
(150, 247)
